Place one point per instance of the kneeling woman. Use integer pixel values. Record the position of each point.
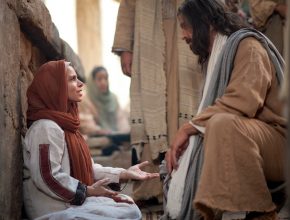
(60, 179)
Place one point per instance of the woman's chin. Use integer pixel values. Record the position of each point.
(79, 99)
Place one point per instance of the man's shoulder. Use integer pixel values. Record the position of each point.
(250, 47)
(250, 43)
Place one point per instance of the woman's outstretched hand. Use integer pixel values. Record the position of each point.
(135, 173)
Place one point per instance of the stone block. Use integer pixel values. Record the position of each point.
(35, 22)
(69, 55)
(10, 146)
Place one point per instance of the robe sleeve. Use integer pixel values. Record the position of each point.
(112, 173)
(47, 147)
(124, 34)
(261, 10)
(248, 86)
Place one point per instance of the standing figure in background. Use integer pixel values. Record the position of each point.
(268, 17)
(109, 115)
(165, 80)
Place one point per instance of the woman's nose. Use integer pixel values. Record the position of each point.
(80, 83)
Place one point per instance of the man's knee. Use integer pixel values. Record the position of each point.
(221, 122)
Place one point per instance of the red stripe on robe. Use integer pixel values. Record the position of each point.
(49, 180)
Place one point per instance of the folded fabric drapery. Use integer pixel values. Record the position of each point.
(180, 196)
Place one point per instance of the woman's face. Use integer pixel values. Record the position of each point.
(75, 86)
(101, 81)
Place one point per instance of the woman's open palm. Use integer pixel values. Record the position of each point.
(135, 172)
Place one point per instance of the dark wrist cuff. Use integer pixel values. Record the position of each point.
(80, 195)
(115, 186)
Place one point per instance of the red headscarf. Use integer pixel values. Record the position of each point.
(48, 99)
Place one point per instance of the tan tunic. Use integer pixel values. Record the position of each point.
(252, 91)
(165, 80)
(244, 137)
(166, 98)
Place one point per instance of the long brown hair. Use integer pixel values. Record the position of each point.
(201, 14)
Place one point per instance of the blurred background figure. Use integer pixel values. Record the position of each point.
(236, 6)
(269, 17)
(103, 123)
(89, 118)
(109, 115)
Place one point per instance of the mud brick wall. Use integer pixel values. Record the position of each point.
(28, 38)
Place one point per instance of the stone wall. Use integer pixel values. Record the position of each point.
(286, 91)
(28, 38)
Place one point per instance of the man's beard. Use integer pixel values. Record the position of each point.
(195, 50)
(189, 43)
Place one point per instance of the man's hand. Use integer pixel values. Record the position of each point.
(126, 62)
(135, 173)
(179, 145)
